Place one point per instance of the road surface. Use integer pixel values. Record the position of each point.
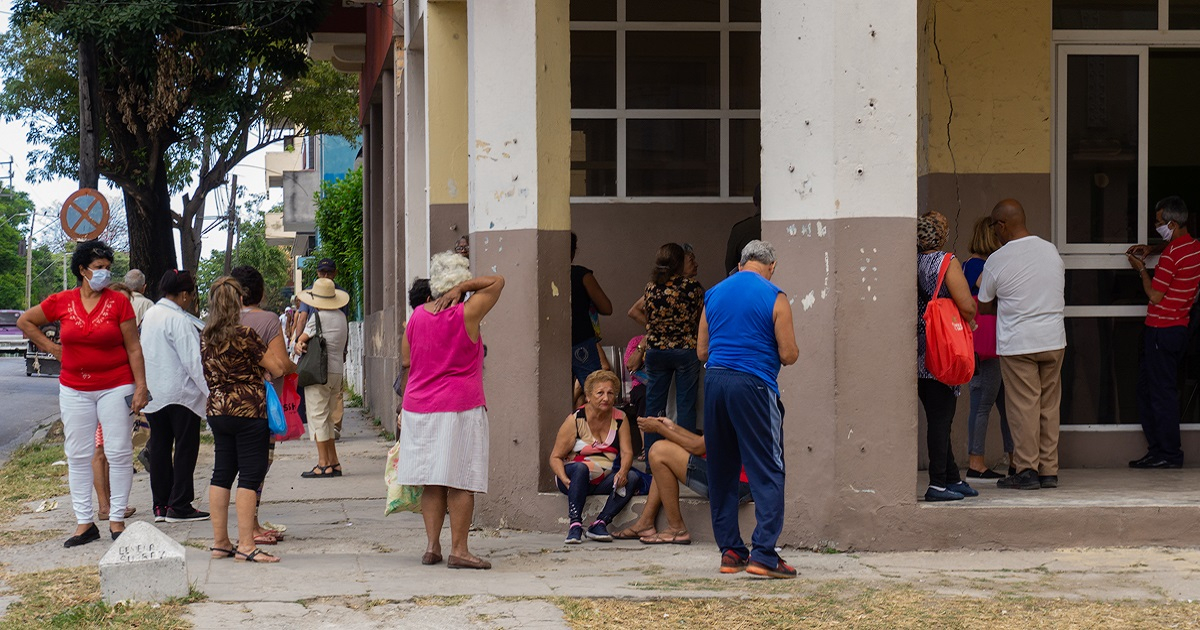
(26, 403)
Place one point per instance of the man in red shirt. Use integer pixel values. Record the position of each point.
(1172, 292)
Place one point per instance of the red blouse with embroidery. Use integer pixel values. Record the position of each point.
(94, 356)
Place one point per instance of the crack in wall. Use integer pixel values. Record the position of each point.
(949, 121)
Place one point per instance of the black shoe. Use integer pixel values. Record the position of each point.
(180, 516)
(1025, 480)
(160, 514)
(1011, 471)
(1137, 463)
(984, 474)
(116, 535)
(92, 533)
(1048, 481)
(1155, 462)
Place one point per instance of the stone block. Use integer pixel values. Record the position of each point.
(144, 565)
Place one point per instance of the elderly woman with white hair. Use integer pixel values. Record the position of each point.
(444, 436)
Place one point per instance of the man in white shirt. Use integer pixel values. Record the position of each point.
(1023, 284)
(136, 281)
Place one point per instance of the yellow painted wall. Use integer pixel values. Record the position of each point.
(446, 91)
(997, 57)
(554, 115)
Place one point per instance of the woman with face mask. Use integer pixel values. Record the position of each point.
(102, 381)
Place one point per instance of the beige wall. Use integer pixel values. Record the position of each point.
(446, 130)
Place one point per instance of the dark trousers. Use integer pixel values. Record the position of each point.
(581, 487)
(174, 443)
(662, 366)
(939, 402)
(743, 426)
(240, 449)
(1158, 390)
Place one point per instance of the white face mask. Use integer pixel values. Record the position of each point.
(100, 278)
(1165, 231)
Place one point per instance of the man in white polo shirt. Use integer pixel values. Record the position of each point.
(1023, 283)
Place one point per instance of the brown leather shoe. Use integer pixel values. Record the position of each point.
(456, 562)
(431, 558)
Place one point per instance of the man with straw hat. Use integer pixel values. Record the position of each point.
(329, 322)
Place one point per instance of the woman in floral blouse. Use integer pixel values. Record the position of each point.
(673, 302)
(236, 364)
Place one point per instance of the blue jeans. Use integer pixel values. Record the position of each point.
(585, 359)
(581, 487)
(661, 366)
(987, 388)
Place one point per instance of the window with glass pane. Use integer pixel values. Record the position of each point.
(1104, 287)
(1106, 14)
(593, 69)
(1102, 149)
(745, 152)
(1185, 15)
(745, 76)
(745, 10)
(672, 70)
(593, 10)
(673, 10)
(679, 158)
(1173, 161)
(1099, 373)
(593, 158)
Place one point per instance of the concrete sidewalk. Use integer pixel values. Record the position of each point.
(346, 565)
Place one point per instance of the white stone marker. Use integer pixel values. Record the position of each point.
(144, 565)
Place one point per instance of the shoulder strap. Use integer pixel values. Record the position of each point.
(941, 276)
(317, 314)
(579, 415)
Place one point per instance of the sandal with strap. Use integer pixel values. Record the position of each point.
(664, 538)
(258, 556)
(220, 554)
(629, 533)
(265, 539)
(319, 472)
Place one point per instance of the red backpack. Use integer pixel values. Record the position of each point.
(949, 344)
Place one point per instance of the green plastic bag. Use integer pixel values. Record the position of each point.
(399, 497)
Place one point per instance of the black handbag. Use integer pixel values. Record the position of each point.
(313, 367)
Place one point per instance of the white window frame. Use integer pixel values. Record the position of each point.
(723, 113)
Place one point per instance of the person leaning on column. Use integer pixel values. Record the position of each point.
(1172, 291)
(1022, 283)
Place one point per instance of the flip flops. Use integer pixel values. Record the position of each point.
(258, 556)
(220, 554)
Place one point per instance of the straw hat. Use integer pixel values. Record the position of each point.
(324, 295)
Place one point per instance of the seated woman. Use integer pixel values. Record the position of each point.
(593, 454)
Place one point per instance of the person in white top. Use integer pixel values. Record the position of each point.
(136, 281)
(320, 400)
(1023, 282)
(178, 393)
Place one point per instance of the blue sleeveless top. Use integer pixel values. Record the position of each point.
(741, 331)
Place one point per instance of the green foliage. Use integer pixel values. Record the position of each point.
(14, 227)
(340, 233)
(273, 262)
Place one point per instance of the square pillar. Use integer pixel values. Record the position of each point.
(519, 143)
(839, 189)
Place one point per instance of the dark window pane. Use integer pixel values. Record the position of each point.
(1104, 287)
(1174, 133)
(745, 151)
(672, 70)
(673, 11)
(593, 69)
(1106, 14)
(673, 157)
(745, 10)
(593, 10)
(593, 158)
(1099, 373)
(1185, 14)
(744, 70)
(1102, 149)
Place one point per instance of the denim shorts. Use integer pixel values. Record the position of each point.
(697, 479)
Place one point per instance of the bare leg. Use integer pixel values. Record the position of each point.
(218, 502)
(246, 500)
(100, 479)
(433, 511)
(975, 462)
(462, 510)
(644, 525)
(668, 462)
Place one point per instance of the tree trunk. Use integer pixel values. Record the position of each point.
(151, 233)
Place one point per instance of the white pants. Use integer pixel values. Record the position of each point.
(81, 411)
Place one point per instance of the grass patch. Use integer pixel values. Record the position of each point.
(441, 600)
(901, 607)
(70, 598)
(206, 438)
(10, 538)
(29, 476)
(353, 399)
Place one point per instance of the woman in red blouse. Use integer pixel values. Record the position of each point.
(102, 367)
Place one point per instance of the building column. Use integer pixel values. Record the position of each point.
(839, 189)
(416, 198)
(446, 36)
(397, 256)
(520, 225)
(376, 147)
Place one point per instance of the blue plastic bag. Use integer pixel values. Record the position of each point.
(275, 418)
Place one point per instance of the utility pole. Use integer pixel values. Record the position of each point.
(230, 226)
(29, 262)
(89, 117)
(65, 259)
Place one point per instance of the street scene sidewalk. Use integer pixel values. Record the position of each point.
(344, 564)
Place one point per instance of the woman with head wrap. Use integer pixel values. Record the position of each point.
(939, 399)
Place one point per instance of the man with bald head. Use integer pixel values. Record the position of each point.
(1023, 284)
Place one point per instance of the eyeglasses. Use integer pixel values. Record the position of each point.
(458, 249)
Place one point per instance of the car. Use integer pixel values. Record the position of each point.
(11, 337)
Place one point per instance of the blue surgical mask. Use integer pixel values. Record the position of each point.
(1165, 231)
(100, 278)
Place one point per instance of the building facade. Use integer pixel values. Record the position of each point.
(636, 123)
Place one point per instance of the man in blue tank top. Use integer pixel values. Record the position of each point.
(745, 336)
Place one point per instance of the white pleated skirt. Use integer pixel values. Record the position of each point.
(444, 449)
